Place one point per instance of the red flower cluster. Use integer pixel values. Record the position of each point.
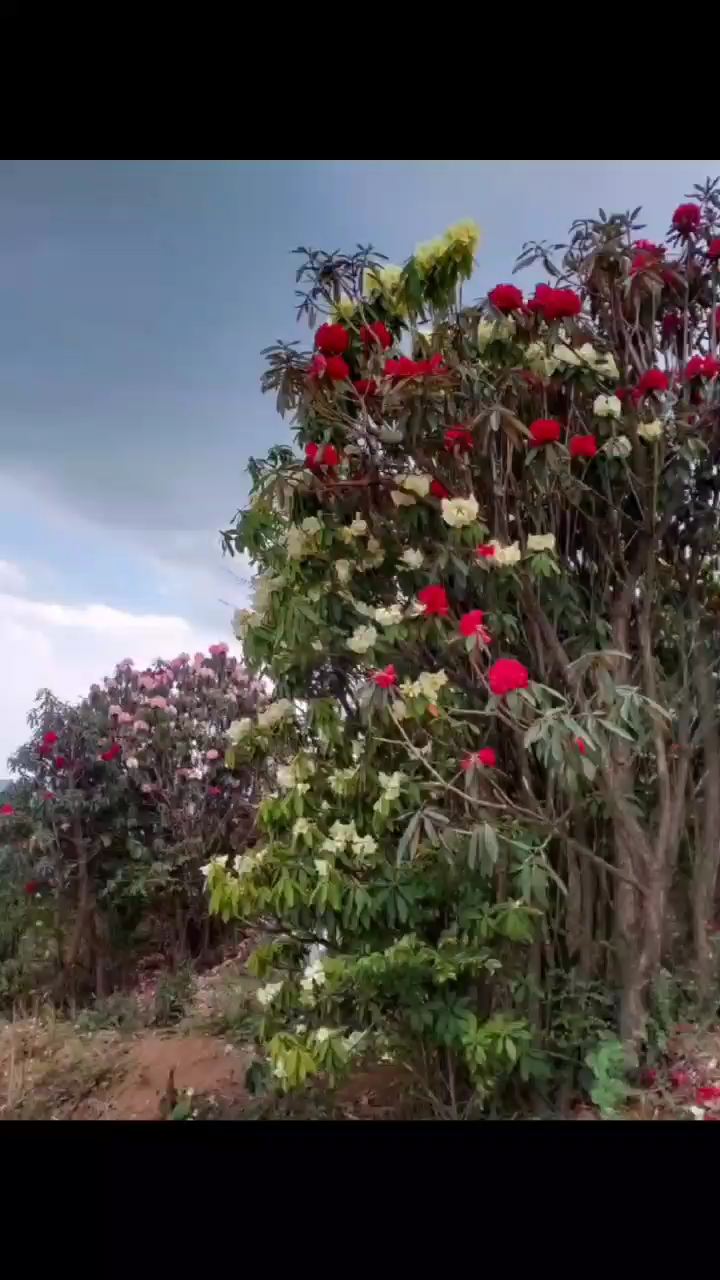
(649, 246)
(555, 304)
(653, 380)
(332, 339)
(702, 367)
(643, 262)
(486, 551)
(471, 624)
(365, 387)
(332, 367)
(708, 1093)
(6, 811)
(506, 675)
(50, 739)
(112, 753)
(373, 335)
(385, 679)
(459, 438)
(321, 455)
(713, 251)
(435, 601)
(544, 431)
(438, 490)
(583, 446)
(686, 218)
(506, 298)
(404, 367)
(32, 887)
(486, 757)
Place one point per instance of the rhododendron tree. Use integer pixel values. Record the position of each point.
(486, 627)
(120, 802)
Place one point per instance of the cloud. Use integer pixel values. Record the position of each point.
(12, 577)
(66, 648)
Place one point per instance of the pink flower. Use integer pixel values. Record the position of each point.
(218, 650)
(124, 717)
(178, 663)
(212, 754)
(198, 660)
(114, 710)
(141, 726)
(206, 673)
(146, 681)
(158, 703)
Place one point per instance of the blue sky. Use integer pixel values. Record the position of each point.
(135, 297)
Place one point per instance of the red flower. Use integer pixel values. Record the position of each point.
(403, 367)
(331, 456)
(320, 455)
(686, 218)
(311, 454)
(48, 795)
(337, 369)
(318, 368)
(583, 446)
(555, 304)
(506, 675)
(487, 756)
(459, 438)
(544, 431)
(648, 1077)
(61, 762)
(486, 551)
(438, 490)
(649, 246)
(702, 367)
(332, 339)
(679, 1079)
(214, 791)
(435, 600)
(435, 365)
(713, 251)
(653, 380)
(710, 1093)
(366, 387)
(32, 886)
(378, 334)
(6, 811)
(506, 298)
(385, 679)
(112, 753)
(671, 324)
(49, 739)
(581, 745)
(471, 624)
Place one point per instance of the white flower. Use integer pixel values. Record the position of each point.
(132, 762)
(419, 484)
(541, 542)
(495, 331)
(390, 616)
(242, 620)
(322, 1034)
(314, 593)
(343, 570)
(588, 354)
(412, 558)
(313, 975)
(296, 543)
(239, 729)
(367, 610)
(317, 646)
(430, 683)
(619, 447)
(415, 609)
(606, 366)
(265, 995)
(607, 407)
(322, 866)
(648, 431)
(362, 639)
(364, 845)
(402, 499)
(263, 588)
(285, 776)
(276, 712)
(358, 528)
(506, 555)
(391, 783)
(565, 355)
(458, 512)
(244, 863)
(399, 709)
(301, 827)
(373, 546)
(535, 356)
(311, 525)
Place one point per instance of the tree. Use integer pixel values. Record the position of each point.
(120, 801)
(487, 597)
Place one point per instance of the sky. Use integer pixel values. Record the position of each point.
(135, 298)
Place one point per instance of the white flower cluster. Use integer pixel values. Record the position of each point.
(412, 558)
(341, 779)
(345, 834)
(265, 995)
(459, 512)
(294, 773)
(607, 407)
(357, 529)
(541, 542)
(301, 827)
(362, 639)
(504, 555)
(313, 974)
(427, 685)
(418, 484)
(401, 499)
(651, 431)
(239, 729)
(275, 713)
(391, 785)
(343, 571)
(495, 331)
(618, 447)
(389, 616)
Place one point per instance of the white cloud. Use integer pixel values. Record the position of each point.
(66, 648)
(12, 578)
